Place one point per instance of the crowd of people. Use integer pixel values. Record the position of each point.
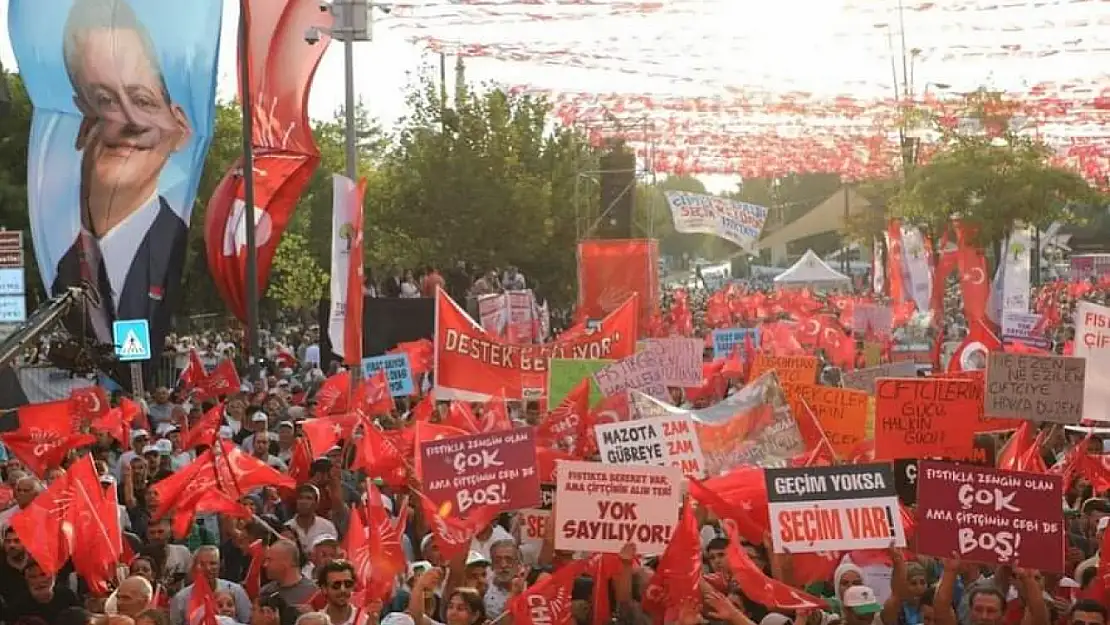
(303, 574)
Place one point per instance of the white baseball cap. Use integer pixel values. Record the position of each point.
(862, 600)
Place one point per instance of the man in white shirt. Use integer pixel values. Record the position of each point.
(26, 489)
(178, 560)
(306, 524)
(484, 539)
(208, 564)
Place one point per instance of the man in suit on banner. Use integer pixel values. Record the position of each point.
(130, 247)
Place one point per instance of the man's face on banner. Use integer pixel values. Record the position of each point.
(130, 127)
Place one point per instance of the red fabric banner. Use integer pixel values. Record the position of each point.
(282, 65)
(609, 271)
(473, 365)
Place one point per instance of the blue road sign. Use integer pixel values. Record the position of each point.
(132, 339)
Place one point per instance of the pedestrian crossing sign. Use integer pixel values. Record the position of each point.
(132, 339)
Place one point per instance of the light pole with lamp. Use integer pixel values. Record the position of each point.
(354, 21)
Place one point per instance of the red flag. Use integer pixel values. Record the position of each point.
(352, 320)
(323, 433)
(49, 526)
(380, 457)
(760, 588)
(495, 415)
(222, 473)
(97, 529)
(89, 403)
(420, 353)
(562, 426)
(252, 582)
(548, 602)
(201, 599)
(331, 397)
(677, 580)
(45, 435)
(223, 381)
(194, 373)
(282, 64)
(372, 397)
(375, 548)
(204, 431)
(452, 534)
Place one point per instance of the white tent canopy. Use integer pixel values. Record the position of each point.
(811, 271)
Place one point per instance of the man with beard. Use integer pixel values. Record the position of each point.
(506, 568)
(336, 580)
(12, 586)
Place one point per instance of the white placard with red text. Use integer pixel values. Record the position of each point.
(1092, 341)
(603, 507)
(533, 525)
(670, 441)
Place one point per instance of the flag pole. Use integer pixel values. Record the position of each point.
(253, 352)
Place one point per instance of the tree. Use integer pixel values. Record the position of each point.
(296, 281)
(487, 180)
(15, 136)
(993, 177)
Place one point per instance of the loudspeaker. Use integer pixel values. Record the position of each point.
(618, 192)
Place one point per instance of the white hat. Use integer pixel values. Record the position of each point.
(323, 538)
(260, 417)
(164, 428)
(476, 557)
(862, 600)
(150, 449)
(139, 433)
(418, 567)
(164, 446)
(107, 480)
(774, 618)
(398, 618)
(225, 431)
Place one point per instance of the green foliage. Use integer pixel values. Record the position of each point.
(486, 181)
(995, 177)
(296, 281)
(15, 135)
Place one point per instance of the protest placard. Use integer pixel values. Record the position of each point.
(679, 359)
(864, 379)
(925, 417)
(1021, 327)
(905, 480)
(991, 516)
(789, 369)
(874, 318)
(640, 372)
(753, 426)
(397, 371)
(547, 496)
(727, 339)
(1035, 387)
(838, 508)
(498, 468)
(533, 527)
(841, 413)
(1092, 342)
(603, 507)
(670, 441)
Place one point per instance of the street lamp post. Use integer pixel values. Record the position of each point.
(353, 22)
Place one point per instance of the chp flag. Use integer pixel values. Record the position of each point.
(345, 317)
(839, 508)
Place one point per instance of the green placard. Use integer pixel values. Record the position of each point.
(564, 373)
